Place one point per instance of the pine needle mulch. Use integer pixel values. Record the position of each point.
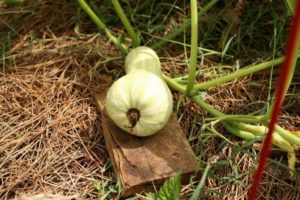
(51, 142)
(50, 137)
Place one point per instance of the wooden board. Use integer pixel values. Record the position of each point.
(143, 164)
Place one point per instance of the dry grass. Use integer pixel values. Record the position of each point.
(50, 135)
(50, 130)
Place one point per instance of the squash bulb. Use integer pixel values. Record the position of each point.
(142, 58)
(140, 103)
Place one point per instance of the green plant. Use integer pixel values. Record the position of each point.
(169, 191)
(287, 72)
(13, 2)
(171, 188)
(249, 127)
(290, 4)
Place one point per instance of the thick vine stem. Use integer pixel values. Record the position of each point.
(240, 73)
(230, 127)
(240, 118)
(246, 135)
(287, 135)
(174, 84)
(126, 23)
(228, 124)
(194, 45)
(227, 78)
(101, 25)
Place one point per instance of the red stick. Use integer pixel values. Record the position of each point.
(285, 70)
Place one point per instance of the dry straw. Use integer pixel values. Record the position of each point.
(50, 135)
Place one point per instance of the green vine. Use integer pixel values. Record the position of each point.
(100, 24)
(194, 45)
(126, 23)
(239, 125)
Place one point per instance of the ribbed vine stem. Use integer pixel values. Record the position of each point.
(229, 120)
(184, 27)
(100, 24)
(287, 135)
(174, 84)
(229, 126)
(240, 73)
(178, 87)
(126, 23)
(227, 78)
(241, 118)
(207, 107)
(194, 46)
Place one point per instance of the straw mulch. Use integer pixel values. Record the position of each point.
(51, 143)
(50, 135)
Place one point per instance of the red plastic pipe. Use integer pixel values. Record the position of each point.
(285, 70)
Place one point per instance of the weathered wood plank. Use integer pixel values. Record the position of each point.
(142, 164)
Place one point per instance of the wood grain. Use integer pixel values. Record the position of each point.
(143, 164)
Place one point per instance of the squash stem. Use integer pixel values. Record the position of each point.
(287, 135)
(174, 84)
(126, 23)
(240, 73)
(207, 107)
(246, 135)
(230, 120)
(184, 27)
(194, 45)
(100, 24)
(227, 78)
(229, 126)
(133, 116)
(241, 118)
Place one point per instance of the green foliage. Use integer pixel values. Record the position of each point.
(290, 5)
(199, 187)
(169, 191)
(171, 188)
(13, 2)
(105, 190)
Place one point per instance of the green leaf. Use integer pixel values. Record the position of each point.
(152, 196)
(169, 191)
(290, 4)
(197, 191)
